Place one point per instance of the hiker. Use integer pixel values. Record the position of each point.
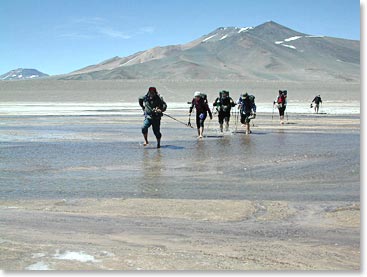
(153, 106)
(281, 103)
(317, 100)
(247, 108)
(223, 105)
(202, 110)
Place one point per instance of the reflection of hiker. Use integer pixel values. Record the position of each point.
(281, 103)
(247, 110)
(153, 106)
(223, 104)
(202, 109)
(317, 100)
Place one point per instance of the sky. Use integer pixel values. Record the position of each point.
(60, 36)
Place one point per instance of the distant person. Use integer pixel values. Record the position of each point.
(153, 106)
(247, 108)
(281, 103)
(223, 105)
(202, 110)
(317, 100)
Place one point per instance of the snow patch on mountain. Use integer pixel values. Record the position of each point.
(292, 38)
(245, 29)
(209, 37)
(22, 74)
(224, 37)
(289, 46)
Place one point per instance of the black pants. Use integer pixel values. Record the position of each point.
(223, 116)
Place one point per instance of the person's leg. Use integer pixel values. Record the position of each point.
(281, 112)
(144, 130)
(220, 119)
(226, 119)
(156, 125)
(198, 124)
(243, 118)
(247, 125)
(201, 130)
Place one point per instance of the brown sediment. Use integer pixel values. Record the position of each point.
(151, 234)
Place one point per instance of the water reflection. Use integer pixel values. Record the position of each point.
(151, 184)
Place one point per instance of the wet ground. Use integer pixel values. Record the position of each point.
(82, 192)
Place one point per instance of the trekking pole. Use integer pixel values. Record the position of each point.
(210, 119)
(177, 120)
(272, 115)
(189, 123)
(236, 118)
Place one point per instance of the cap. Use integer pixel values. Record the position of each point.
(197, 93)
(152, 89)
(245, 94)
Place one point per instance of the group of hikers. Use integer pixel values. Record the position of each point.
(154, 106)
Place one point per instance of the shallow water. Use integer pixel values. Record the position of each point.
(103, 157)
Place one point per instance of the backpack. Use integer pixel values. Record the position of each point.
(281, 100)
(204, 96)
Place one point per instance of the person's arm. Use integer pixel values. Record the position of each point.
(141, 102)
(164, 105)
(192, 106)
(209, 111)
(232, 102)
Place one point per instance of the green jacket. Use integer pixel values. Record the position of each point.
(149, 104)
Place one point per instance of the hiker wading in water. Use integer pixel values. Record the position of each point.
(247, 108)
(317, 100)
(223, 104)
(281, 103)
(202, 110)
(153, 106)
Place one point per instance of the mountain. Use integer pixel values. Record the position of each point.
(269, 51)
(22, 73)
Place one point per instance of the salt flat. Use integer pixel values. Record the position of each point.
(78, 191)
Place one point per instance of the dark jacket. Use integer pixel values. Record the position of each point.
(224, 104)
(317, 100)
(247, 104)
(148, 105)
(201, 106)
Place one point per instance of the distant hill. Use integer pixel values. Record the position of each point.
(22, 73)
(267, 52)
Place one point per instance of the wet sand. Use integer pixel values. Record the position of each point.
(82, 193)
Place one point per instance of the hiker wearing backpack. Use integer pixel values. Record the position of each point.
(202, 110)
(247, 108)
(317, 100)
(153, 106)
(281, 103)
(223, 105)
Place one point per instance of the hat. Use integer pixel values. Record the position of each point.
(197, 93)
(245, 94)
(152, 89)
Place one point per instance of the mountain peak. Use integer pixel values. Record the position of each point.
(269, 51)
(22, 74)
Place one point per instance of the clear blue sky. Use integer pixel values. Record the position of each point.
(60, 36)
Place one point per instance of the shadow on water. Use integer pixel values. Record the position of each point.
(213, 136)
(173, 147)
